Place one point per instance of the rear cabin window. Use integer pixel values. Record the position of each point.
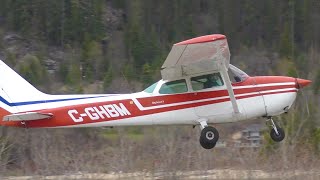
(173, 87)
(206, 81)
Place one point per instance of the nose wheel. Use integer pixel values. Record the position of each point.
(277, 134)
(209, 136)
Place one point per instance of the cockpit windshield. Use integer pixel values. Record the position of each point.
(151, 88)
(236, 75)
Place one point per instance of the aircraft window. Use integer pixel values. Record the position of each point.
(206, 81)
(236, 75)
(179, 86)
(151, 88)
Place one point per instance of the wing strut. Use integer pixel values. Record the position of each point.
(229, 88)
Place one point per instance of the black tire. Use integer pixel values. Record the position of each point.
(277, 137)
(207, 145)
(209, 137)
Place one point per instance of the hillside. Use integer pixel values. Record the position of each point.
(118, 46)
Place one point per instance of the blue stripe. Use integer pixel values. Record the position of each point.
(43, 101)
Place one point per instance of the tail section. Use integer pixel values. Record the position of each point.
(14, 90)
(20, 102)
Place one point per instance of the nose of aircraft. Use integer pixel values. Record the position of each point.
(302, 82)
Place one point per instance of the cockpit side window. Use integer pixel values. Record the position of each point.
(206, 81)
(236, 75)
(173, 87)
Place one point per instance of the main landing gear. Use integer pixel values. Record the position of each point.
(277, 134)
(209, 136)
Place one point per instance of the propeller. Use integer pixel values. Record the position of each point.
(300, 83)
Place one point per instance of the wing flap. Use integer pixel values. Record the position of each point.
(27, 116)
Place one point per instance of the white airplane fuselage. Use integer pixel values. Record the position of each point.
(256, 97)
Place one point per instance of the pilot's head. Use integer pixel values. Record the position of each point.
(213, 77)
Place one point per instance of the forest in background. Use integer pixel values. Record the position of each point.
(118, 46)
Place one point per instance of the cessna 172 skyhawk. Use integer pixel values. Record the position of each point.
(198, 87)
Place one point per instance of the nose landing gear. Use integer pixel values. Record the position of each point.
(277, 134)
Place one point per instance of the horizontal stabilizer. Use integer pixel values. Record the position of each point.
(28, 116)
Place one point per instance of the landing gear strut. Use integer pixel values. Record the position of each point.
(277, 134)
(209, 136)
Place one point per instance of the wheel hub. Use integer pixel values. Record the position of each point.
(210, 135)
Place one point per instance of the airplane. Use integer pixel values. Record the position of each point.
(199, 86)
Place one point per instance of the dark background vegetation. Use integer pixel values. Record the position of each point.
(118, 46)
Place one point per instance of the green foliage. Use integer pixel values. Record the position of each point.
(141, 38)
(107, 79)
(119, 3)
(316, 85)
(286, 66)
(285, 49)
(129, 71)
(147, 74)
(84, 23)
(32, 70)
(56, 21)
(91, 61)
(79, 89)
(63, 71)
(301, 64)
(292, 72)
(144, 49)
(316, 139)
(74, 77)
(10, 58)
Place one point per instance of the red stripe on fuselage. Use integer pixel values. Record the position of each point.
(272, 79)
(194, 96)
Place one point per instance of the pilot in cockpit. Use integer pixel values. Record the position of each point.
(212, 81)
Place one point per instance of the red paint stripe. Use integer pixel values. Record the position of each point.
(178, 107)
(194, 96)
(272, 79)
(202, 39)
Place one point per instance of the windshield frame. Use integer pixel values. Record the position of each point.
(151, 88)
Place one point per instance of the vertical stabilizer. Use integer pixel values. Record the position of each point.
(14, 90)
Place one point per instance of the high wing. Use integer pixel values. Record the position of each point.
(197, 55)
(27, 116)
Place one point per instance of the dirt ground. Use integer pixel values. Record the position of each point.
(209, 174)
